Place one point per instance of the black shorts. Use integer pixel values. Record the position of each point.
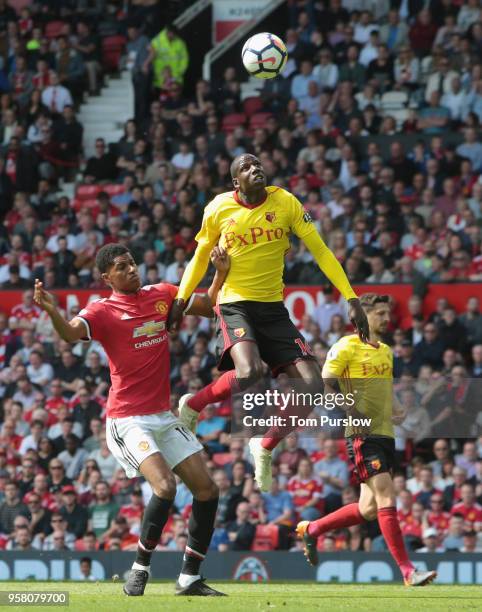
(371, 456)
(268, 324)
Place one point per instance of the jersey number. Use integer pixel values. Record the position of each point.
(185, 433)
(304, 347)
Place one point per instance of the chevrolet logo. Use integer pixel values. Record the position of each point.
(150, 328)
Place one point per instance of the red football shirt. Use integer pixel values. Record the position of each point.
(132, 330)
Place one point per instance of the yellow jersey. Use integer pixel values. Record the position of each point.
(256, 238)
(367, 371)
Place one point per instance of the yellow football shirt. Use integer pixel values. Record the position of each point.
(366, 371)
(256, 237)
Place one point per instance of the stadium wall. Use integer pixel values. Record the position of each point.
(343, 567)
(299, 299)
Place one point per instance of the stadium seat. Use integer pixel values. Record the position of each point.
(258, 120)
(112, 48)
(252, 105)
(233, 121)
(221, 459)
(87, 192)
(54, 29)
(266, 538)
(78, 204)
(113, 189)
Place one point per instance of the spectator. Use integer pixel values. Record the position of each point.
(168, 50)
(85, 566)
(56, 97)
(103, 511)
(241, 532)
(104, 459)
(72, 457)
(11, 507)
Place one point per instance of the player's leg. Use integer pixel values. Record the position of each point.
(383, 491)
(193, 472)
(132, 443)
(238, 358)
(346, 516)
(182, 452)
(159, 475)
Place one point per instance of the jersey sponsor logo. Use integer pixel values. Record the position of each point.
(161, 307)
(254, 235)
(149, 329)
(143, 445)
(152, 342)
(270, 216)
(382, 369)
(239, 332)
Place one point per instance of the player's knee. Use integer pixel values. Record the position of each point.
(250, 371)
(165, 488)
(206, 491)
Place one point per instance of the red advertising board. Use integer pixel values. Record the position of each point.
(299, 299)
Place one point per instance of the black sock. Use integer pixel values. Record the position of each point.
(201, 527)
(155, 517)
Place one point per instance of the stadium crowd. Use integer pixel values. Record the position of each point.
(396, 191)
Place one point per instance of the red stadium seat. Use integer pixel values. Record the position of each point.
(113, 189)
(266, 538)
(112, 49)
(80, 204)
(258, 120)
(252, 105)
(232, 121)
(221, 459)
(87, 192)
(54, 29)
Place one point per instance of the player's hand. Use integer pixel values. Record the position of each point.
(220, 259)
(176, 313)
(359, 319)
(45, 300)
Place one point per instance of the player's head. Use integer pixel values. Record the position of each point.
(378, 309)
(118, 268)
(248, 173)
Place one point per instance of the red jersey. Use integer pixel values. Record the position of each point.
(132, 330)
(438, 520)
(21, 312)
(471, 514)
(303, 491)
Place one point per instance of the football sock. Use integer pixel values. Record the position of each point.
(215, 392)
(155, 517)
(343, 517)
(390, 528)
(200, 528)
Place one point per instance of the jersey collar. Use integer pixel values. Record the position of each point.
(251, 206)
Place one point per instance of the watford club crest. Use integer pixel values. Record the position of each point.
(376, 465)
(239, 332)
(270, 216)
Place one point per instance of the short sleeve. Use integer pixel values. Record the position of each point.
(93, 315)
(209, 233)
(301, 222)
(337, 359)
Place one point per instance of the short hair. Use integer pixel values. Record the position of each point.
(86, 560)
(106, 255)
(368, 301)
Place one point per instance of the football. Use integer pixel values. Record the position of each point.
(264, 55)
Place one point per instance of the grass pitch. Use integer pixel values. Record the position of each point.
(270, 597)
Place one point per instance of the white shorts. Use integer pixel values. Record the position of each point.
(133, 439)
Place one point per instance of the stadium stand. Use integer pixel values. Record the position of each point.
(374, 126)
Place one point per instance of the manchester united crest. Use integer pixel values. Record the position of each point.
(270, 216)
(143, 445)
(161, 307)
(239, 332)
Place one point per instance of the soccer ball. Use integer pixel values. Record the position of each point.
(264, 55)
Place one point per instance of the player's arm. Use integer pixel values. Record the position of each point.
(70, 332)
(207, 238)
(303, 227)
(202, 305)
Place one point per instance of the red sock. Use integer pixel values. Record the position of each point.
(390, 528)
(215, 392)
(343, 517)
